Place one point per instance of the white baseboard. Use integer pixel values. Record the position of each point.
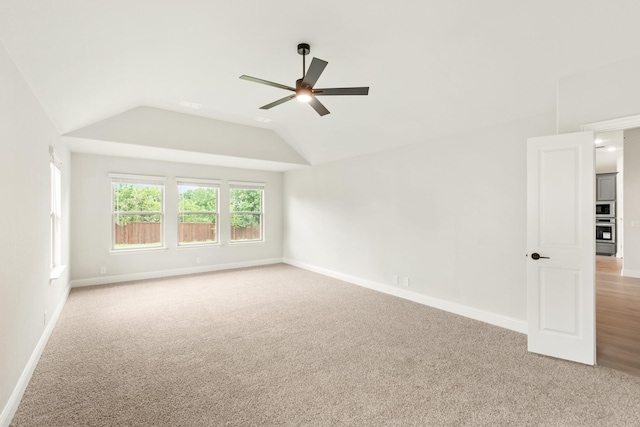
(14, 400)
(452, 307)
(103, 280)
(630, 273)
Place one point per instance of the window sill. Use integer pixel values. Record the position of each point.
(199, 246)
(136, 250)
(57, 272)
(246, 242)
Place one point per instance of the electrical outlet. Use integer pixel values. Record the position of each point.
(198, 260)
(405, 281)
(103, 270)
(396, 279)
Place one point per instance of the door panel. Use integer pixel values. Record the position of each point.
(559, 209)
(560, 296)
(560, 226)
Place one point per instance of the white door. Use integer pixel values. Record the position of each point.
(561, 232)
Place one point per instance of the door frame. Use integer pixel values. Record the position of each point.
(621, 123)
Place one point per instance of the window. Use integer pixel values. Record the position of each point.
(138, 211)
(246, 208)
(197, 211)
(56, 209)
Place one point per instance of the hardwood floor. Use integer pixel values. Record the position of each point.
(617, 317)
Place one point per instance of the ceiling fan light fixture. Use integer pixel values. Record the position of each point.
(303, 94)
(304, 90)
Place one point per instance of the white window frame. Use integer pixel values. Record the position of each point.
(137, 179)
(55, 216)
(204, 183)
(244, 185)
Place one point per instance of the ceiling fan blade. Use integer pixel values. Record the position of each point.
(342, 91)
(317, 105)
(313, 73)
(278, 102)
(266, 82)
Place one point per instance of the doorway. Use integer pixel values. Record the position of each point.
(617, 281)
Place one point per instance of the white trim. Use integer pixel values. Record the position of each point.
(55, 158)
(57, 272)
(247, 185)
(557, 109)
(245, 242)
(452, 307)
(198, 245)
(198, 181)
(136, 250)
(14, 400)
(630, 273)
(620, 123)
(128, 178)
(168, 273)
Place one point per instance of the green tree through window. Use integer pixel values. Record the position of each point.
(139, 198)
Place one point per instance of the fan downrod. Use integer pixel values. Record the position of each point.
(304, 49)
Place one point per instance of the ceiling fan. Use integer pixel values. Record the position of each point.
(304, 90)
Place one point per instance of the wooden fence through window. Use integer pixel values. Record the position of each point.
(245, 233)
(139, 233)
(197, 232)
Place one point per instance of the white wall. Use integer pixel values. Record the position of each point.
(607, 162)
(631, 208)
(604, 93)
(450, 214)
(25, 291)
(91, 216)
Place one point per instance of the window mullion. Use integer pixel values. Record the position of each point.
(198, 212)
(138, 213)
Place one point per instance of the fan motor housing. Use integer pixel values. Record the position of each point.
(304, 48)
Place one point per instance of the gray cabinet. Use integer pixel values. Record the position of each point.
(605, 186)
(605, 248)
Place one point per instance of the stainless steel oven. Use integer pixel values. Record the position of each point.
(605, 230)
(605, 209)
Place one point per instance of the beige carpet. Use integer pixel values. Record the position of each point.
(279, 346)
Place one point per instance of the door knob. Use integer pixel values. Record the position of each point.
(537, 256)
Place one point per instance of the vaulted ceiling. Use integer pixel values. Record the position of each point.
(435, 67)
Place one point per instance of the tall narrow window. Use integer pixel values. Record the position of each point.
(138, 211)
(197, 211)
(56, 209)
(247, 210)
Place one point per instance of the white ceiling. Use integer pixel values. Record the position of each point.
(434, 67)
